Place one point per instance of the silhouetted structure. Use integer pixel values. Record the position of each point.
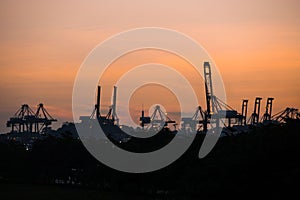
(243, 119)
(217, 115)
(196, 123)
(109, 123)
(25, 120)
(268, 113)
(289, 114)
(217, 111)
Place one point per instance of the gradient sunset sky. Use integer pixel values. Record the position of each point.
(255, 44)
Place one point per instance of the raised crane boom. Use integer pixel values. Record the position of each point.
(208, 88)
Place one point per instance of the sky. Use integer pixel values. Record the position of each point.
(255, 45)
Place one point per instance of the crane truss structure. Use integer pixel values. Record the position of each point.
(26, 120)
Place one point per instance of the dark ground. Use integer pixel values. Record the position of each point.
(262, 163)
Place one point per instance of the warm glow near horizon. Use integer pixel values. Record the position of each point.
(255, 44)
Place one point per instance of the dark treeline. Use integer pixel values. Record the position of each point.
(266, 160)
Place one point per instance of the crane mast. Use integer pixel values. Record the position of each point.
(208, 88)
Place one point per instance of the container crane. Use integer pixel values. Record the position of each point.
(111, 117)
(196, 123)
(215, 106)
(26, 120)
(254, 119)
(42, 119)
(157, 120)
(243, 119)
(289, 114)
(268, 113)
(18, 122)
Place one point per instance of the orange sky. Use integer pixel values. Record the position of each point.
(255, 44)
